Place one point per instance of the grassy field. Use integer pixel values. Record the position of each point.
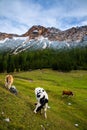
(61, 115)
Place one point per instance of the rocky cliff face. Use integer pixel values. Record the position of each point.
(36, 31)
(53, 34)
(5, 35)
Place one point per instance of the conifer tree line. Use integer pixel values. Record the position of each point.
(61, 60)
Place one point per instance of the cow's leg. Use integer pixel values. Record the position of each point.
(45, 110)
(38, 105)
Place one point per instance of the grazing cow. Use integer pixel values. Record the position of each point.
(8, 81)
(67, 92)
(42, 100)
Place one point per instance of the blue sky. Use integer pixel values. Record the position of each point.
(17, 16)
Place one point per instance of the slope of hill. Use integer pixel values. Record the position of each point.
(61, 115)
(39, 37)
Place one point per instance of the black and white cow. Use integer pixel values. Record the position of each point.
(42, 100)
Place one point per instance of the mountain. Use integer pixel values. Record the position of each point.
(39, 37)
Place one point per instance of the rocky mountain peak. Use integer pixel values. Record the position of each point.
(36, 31)
(53, 34)
(69, 35)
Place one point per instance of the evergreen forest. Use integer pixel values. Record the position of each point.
(61, 60)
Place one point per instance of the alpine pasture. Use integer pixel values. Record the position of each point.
(67, 112)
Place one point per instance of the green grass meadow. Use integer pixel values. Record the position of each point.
(60, 116)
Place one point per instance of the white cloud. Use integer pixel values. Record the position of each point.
(84, 23)
(28, 13)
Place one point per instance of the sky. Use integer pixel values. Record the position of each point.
(17, 16)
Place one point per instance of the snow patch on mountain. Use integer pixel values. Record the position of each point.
(3, 41)
(16, 45)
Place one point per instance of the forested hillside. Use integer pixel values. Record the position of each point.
(62, 60)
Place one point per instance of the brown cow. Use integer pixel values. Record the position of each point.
(67, 92)
(8, 81)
